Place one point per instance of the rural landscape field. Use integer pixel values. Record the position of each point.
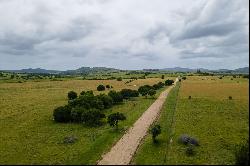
(124, 82)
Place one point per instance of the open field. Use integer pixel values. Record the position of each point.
(217, 122)
(30, 136)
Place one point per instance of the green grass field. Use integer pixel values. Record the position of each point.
(30, 136)
(217, 122)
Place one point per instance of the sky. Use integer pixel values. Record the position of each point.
(124, 34)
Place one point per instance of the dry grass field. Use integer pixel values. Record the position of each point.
(218, 123)
(30, 136)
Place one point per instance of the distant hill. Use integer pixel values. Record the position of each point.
(37, 70)
(88, 70)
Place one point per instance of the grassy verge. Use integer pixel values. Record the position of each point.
(150, 153)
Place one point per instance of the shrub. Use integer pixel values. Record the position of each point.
(127, 93)
(114, 118)
(119, 79)
(62, 114)
(72, 95)
(242, 154)
(76, 114)
(100, 88)
(155, 131)
(116, 96)
(184, 78)
(162, 76)
(230, 97)
(107, 86)
(151, 92)
(169, 82)
(106, 100)
(92, 117)
(189, 97)
(143, 90)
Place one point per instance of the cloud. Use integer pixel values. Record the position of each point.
(129, 34)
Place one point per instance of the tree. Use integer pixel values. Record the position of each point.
(151, 92)
(62, 114)
(114, 118)
(169, 82)
(92, 117)
(76, 114)
(143, 90)
(119, 79)
(107, 86)
(106, 100)
(155, 131)
(127, 93)
(162, 76)
(100, 88)
(116, 96)
(72, 95)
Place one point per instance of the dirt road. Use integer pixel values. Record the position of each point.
(122, 152)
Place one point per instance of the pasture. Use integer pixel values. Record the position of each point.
(30, 136)
(218, 123)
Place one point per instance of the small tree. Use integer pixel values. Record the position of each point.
(155, 131)
(72, 95)
(119, 79)
(151, 92)
(162, 77)
(107, 86)
(62, 114)
(92, 117)
(100, 88)
(116, 96)
(169, 82)
(114, 118)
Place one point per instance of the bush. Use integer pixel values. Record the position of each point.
(62, 114)
(119, 79)
(189, 97)
(184, 78)
(242, 154)
(230, 97)
(155, 131)
(114, 118)
(100, 88)
(106, 100)
(127, 93)
(72, 95)
(169, 82)
(143, 90)
(151, 92)
(76, 114)
(162, 76)
(92, 117)
(107, 86)
(116, 96)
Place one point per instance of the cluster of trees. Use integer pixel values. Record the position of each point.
(169, 82)
(88, 108)
(102, 87)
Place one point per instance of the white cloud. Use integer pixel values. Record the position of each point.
(127, 34)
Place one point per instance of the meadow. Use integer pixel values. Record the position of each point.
(218, 123)
(30, 136)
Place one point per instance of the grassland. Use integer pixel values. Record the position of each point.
(219, 123)
(30, 136)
